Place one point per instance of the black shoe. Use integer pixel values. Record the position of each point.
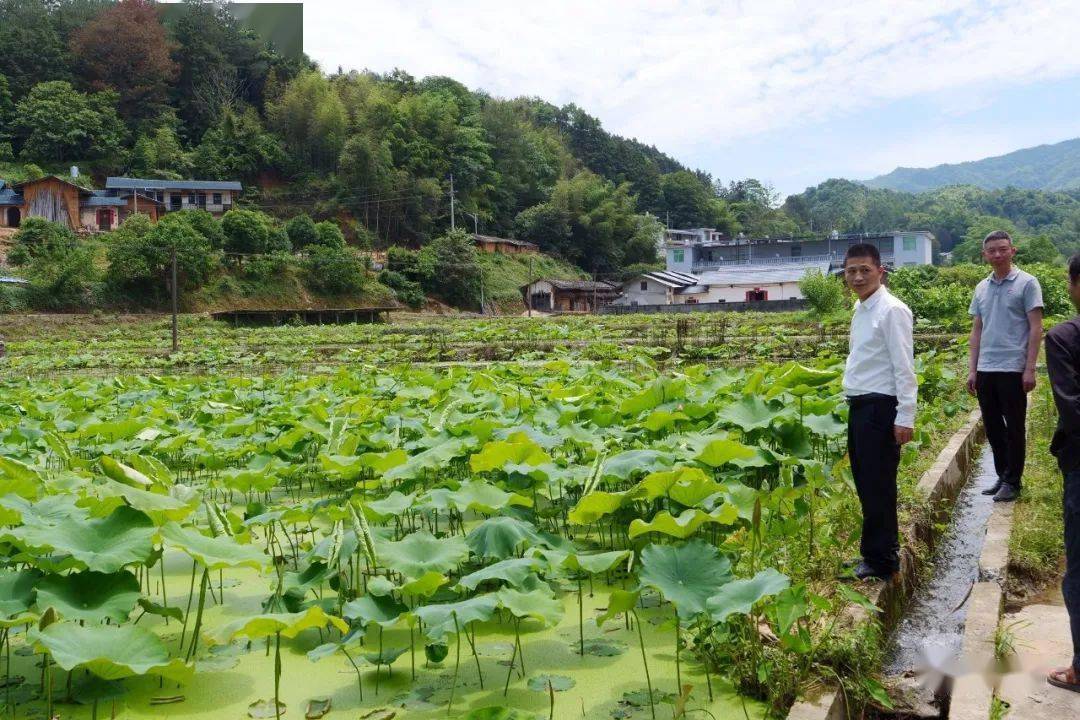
(993, 489)
(1007, 493)
(867, 572)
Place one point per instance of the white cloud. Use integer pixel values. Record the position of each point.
(683, 75)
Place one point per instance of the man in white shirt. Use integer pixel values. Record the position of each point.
(880, 384)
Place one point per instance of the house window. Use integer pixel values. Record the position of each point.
(677, 255)
(887, 245)
(909, 243)
(644, 286)
(796, 251)
(217, 198)
(191, 198)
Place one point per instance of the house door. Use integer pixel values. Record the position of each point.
(104, 219)
(174, 201)
(757, 295)
(14, 217)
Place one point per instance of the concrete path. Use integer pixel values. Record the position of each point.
(1042, 643)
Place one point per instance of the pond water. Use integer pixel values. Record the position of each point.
(608, 682)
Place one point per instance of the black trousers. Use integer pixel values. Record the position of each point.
(1070, 585)
(1003, 404)
(875, 457)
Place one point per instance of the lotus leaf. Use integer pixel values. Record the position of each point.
(748, 413)
(720, 452)
(686, 575)
(687, 523)
(630, 463)
(214, 553)
(594, 563)
(499, 537)
(518, 449)
(739, 596)
(424, 586)
(539, 603)
(19, 479)
(482, 497)
(512, 571)
(384, 611)
(595, 505)
(17, 591)
(620, 601)
(390, 506)
(438, 618)
(421, 552)
(110, 652)
(102, 544)
(89, 595)
(288, 624)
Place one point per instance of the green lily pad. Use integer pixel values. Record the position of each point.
(110, 652)
(102, 544)
(316, 708)
(421, 552)
(90, 596)
(603, 647)
(687, 575)
(499, 537)
(559, 683)
(214, 553)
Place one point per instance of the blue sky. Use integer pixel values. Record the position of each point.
(789, 92)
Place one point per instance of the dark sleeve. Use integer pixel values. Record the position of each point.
(1064, 378)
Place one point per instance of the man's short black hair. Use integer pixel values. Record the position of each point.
(997, 235)
(863, 250)
(1074, 268)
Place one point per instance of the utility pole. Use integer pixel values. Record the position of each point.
(175, 339)
(452, 226)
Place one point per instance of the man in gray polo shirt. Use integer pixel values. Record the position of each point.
(1005, 335)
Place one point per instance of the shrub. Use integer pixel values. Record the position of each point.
(206, 225)
(448, 268)
(824, 293)
(301, 230)
(140, 255)
(405, 290)
(266, 268)
(246, 231)
(60, 278)
(37, 236)
(333, 271)
(329, 234)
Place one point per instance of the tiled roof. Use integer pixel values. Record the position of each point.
(503, 241)
(126, 183)
(103, 201)
(589, 285)
(9, 197)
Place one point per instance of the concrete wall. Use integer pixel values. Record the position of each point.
(912, 248)
(737, 293)
(654, 294)
(770, 306)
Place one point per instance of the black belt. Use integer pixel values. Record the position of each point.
(856, 400)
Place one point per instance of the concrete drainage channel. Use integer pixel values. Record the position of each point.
(957, 608)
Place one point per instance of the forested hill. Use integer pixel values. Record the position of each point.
(115, 88)
(1045, 167)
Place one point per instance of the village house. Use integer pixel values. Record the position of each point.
(507, 246)
(214, 196)
(705, 266)
(549, 295)
(62, 201)
(88, 210)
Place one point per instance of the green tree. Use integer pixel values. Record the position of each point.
(685, 201)
(970, 249)
(823, 292)
(246, 231)
(329, 234)
(206, 225)
(56, 122)
(61, 277)
(1038, 249)
(32, 49)
(455, 275)
(333, 270)
(39, 237)
(311, 119)
(237, 147)
(7, 110)
(301, 230)
(140, 255)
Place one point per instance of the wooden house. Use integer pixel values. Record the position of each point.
(507, 246)
(552, 295)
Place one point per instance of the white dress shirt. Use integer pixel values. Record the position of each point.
(881, 355)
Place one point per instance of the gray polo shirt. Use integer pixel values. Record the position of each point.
(1003, 306)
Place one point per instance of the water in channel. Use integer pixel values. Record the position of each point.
(931, 631)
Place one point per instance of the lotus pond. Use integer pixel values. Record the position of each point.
(554, 539)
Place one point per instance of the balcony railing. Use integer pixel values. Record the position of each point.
(835, 257)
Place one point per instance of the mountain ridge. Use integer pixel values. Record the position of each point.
(1051, 166)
